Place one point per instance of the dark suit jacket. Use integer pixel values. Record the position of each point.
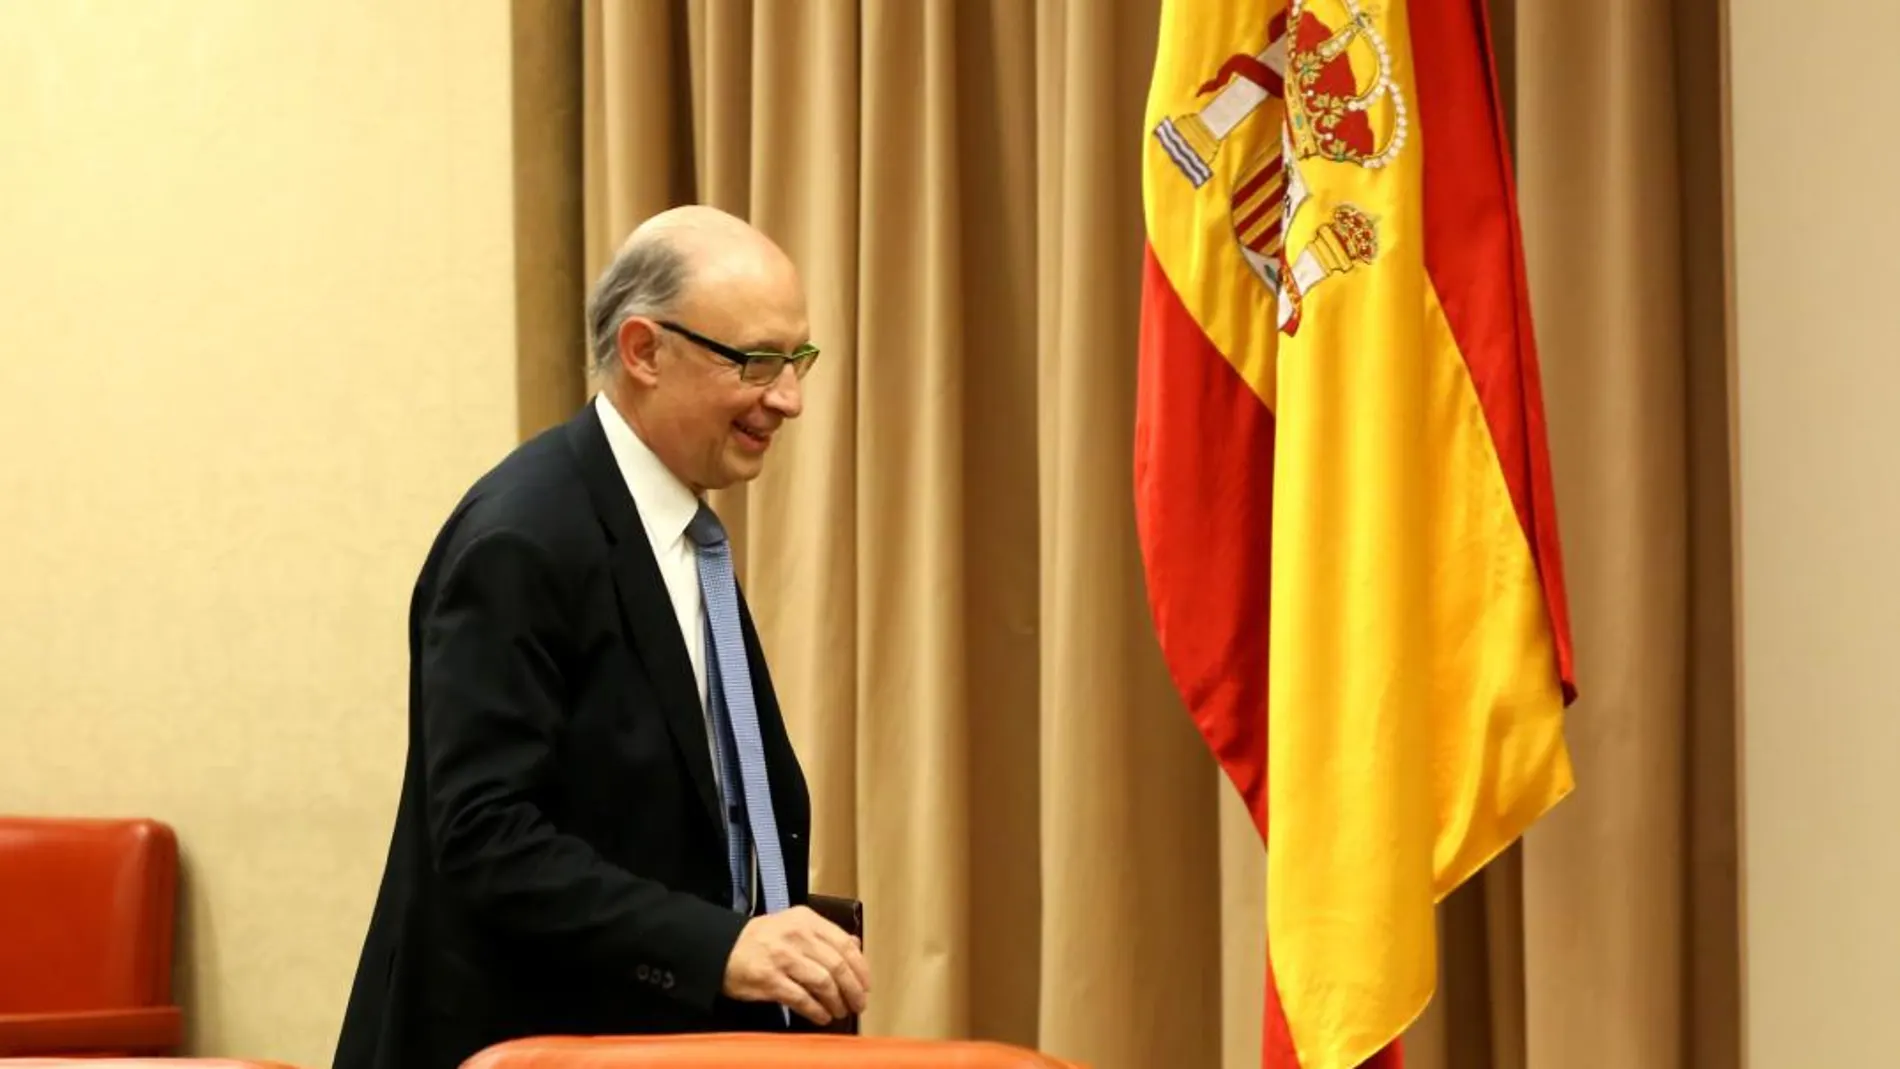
(558, 863)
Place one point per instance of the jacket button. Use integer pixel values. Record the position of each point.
(667, 982)
(642, 973)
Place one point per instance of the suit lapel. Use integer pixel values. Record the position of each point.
(645, 608)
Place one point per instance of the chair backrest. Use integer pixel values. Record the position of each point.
(85, 913)
(137, 1063)
(758, 1051)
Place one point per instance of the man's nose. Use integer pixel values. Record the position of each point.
(786, 396)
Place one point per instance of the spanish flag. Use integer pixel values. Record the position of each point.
(1342, 486)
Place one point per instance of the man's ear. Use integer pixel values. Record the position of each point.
(639, 349)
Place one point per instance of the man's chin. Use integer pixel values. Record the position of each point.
(742, 466)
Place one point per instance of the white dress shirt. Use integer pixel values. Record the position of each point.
(666, 506)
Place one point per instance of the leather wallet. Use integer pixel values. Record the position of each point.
(846, 913)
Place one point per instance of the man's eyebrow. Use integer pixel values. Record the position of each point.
(766, 346)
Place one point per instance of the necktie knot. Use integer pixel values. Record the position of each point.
(705, 529)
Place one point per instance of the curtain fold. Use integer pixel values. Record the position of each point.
(1602, 155)
(941, 552)
(1131, 858)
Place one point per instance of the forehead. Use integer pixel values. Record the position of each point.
(747, 302)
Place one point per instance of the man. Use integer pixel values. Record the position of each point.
(603, 827)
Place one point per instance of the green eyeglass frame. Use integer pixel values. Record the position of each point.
(758, 368)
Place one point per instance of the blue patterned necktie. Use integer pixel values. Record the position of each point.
(748, 794)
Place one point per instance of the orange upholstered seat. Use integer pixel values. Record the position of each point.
(86, 937)
(798, 1051)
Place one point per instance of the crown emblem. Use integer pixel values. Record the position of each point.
(1320, 90)
(1329, 113)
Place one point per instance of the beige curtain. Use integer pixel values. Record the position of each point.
(942, 554)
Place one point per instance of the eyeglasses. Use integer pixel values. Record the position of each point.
(758, 368)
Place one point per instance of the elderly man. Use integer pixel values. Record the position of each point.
(603, 827)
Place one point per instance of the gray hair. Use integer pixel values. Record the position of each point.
(645, 279)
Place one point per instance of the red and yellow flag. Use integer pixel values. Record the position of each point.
(1342, 484)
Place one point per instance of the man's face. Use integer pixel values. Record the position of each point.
(704, 420)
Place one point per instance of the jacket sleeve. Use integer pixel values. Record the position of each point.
(492, 698)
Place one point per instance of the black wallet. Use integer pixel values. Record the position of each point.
(846, 913)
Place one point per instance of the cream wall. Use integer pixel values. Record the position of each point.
(256, 334)
(1817, 331)
(257, 329)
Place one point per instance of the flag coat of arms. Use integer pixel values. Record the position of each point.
(1342, 486)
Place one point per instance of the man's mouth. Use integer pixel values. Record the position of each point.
(755, 437)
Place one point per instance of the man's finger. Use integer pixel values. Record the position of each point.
(849, 987)
(852, 952)
(787, 992)
(812, 975)
(853, 956)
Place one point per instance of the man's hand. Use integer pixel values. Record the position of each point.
(802, 961)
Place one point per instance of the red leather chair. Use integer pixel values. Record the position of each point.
(755, 1051)
(136, 1063)
(86, 937)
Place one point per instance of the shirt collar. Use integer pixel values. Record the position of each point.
(665, 503)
